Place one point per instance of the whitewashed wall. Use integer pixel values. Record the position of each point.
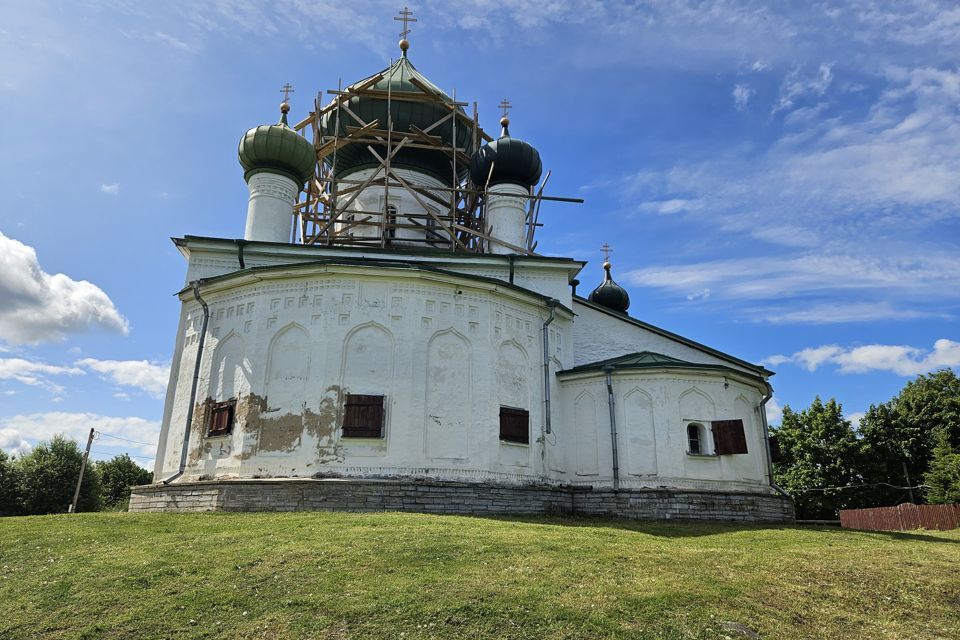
(652, 410)
(445, 354)
(598, 336)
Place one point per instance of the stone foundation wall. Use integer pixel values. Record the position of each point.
(457, 498)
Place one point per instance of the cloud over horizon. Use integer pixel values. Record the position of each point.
(40, 307)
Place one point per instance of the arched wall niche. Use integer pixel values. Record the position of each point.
(696, 405)
(368, 360)
(285, 391)
(513, 375)
(585, 429)
(449, 393)
(640, 433)
(229, 371)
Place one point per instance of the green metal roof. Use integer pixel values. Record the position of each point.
(277, 148)
(651, 360)
(420, 113)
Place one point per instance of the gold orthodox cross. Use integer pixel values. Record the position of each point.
(286, 90)
(505, 105)
(405, 17)
(607, 250)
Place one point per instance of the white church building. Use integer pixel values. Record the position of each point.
(385, 336)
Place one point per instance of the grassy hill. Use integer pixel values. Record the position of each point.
(312, 575)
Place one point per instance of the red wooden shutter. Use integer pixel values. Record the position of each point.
(728, 437)
(515, 425)
(221, 418)
(363, 416)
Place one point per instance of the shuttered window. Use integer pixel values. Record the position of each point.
(694, 439)
(363, 416)
(514, 425)
(221, 418)
(728, 437)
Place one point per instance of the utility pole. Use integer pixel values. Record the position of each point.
(83, 465)
(909, 486)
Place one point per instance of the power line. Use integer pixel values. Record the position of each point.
(860, 486)
(108, 435)
(109, 453)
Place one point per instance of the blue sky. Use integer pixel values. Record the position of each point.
(779, 182)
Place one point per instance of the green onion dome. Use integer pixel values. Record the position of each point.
(276, 148)
(514, 161)
(609, 294)
(402, 80)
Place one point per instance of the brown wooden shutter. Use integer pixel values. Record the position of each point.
(221, 418)
(515, 425)
(776, 455)
(363, 416)
(728, 437)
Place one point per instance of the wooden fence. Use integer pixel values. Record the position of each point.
(903, 517)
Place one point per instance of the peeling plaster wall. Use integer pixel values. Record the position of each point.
(444, 355)
(652, 410)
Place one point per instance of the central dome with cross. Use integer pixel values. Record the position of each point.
(414, 105)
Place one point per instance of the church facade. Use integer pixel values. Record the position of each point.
(386, 337)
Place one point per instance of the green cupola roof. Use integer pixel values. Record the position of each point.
(401, 80)
(609, 294)
(276, 148)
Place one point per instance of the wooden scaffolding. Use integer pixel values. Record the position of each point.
(452, 217)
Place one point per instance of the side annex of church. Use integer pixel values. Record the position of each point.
(385, 336)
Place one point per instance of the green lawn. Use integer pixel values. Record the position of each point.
(313, 575)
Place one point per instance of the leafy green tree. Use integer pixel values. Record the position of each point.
(117, 476)
(48, 478)
(943, 478)
(9, 486)
(819, 450)
(904, 431)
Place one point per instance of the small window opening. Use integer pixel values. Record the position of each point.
(363, 416)
(431, 223)
(220, 421)
(391, 221)
(514, 425)
(694, 439)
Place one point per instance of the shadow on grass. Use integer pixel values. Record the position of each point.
(693, 528)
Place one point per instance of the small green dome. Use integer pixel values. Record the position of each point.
(609, 294)
(513, 160)
(400, 78)
(277, 148)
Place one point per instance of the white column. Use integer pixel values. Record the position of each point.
(270, 210)
(506, 211)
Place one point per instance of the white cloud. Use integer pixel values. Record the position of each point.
(173, 42)
(774, 411)
(741, 96)
(855, 419)
(35, 374)
(39, 307)
(797, 85)
(703, 294)
(20, 429)
(12, 442)
(110, 189)
(671, 206)
(151, 377)
(899, 359)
